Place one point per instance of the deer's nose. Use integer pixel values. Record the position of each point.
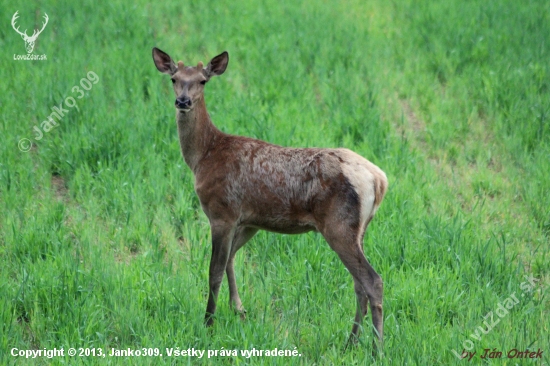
(183, 102)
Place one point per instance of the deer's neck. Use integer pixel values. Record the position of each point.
(196, 133)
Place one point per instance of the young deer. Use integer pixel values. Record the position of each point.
(245, 185)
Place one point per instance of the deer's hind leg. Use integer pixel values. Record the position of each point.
(344, 229)
(367, 283)
(362, 309)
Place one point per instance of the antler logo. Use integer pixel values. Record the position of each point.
(29, 41)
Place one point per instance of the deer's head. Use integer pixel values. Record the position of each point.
(29, 41)
(189, 81)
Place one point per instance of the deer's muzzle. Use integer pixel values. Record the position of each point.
(183, 103)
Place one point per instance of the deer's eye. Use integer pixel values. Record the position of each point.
(203, 82)
(173, 81)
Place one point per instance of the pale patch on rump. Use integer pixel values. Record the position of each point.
(369, 181)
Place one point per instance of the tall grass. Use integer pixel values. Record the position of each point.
(102, 239)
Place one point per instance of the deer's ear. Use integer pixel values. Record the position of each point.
(218, 64)
(163, 62)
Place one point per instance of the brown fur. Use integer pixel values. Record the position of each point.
(245, 185)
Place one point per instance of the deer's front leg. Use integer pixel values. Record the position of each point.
(242, 235)
(221, 248)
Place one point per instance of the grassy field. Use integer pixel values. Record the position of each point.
(102, 240)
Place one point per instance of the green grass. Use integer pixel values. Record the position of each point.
(102, 240)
